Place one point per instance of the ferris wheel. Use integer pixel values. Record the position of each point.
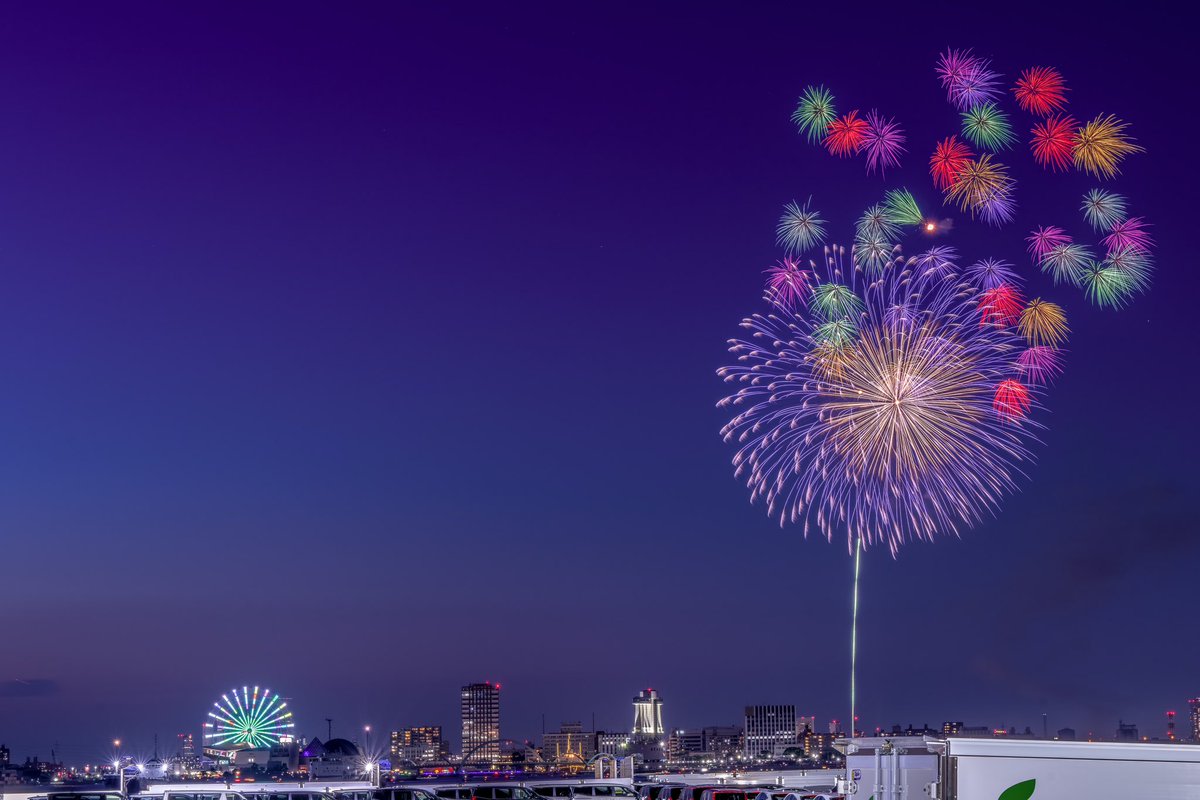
(254, 718)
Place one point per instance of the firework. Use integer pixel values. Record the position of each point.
(1134, 263)
(1012, 400)
(1129, 233)
(883, 142)
(986, 126)
(814, 112)
(872, 253)
(1053, 141)
(1044, 239)
(876, 223)
(788, 284)
(1000, 307)
(1066, 262)
(936, 263)
(948, 160)
(1040, 90)
(835, 301)
(846, 134)
(250, 718)
(901, 208)
(1040, 364)
(799, 228)
(1101, 145)
(887, 430)
(991, 273)
(983, 182)
(1103, 209)
(997, 209)
(1106, 286)
(967, 79)
(1043, 323)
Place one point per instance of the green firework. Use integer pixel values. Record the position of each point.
(814, 112)
(988, 127)
(902, 208)
(835, 301)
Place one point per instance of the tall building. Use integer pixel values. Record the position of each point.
(1194, 705)
(1126, 731)
(770, 730)
(420, 745)
(480, 712)
(648, 716)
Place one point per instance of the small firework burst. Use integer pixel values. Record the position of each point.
(998, 209)
(1129, 234)
(1043, 323)
(788, 284)
(991, 273)
(876, 223)
(948, 160)
(814, 112)
(799, 228)
(1053, 141)
(883, 142)
(1000, 307)
(986, 126)
(1040, 364)
(936, 262)
(1012, 400)
(967, 78)
(1106, 286)
(1134, 263)
(835, 301)
(1103, 209)
(1067, 263)
(901, 208)
(979, 180)
(872, 253)
(846, 134)
(1101, 145)
(1044, 239)
(1041, 90)
(837, 334)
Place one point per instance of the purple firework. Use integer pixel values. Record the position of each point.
(967, 78)
(1129, 234)
(990, 273)
(883, 142)
(878, 419)
(788, 284)
(998, 208)
(1040, 364)
(1045, 239)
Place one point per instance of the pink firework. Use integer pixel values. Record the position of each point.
(788, 285)
(1000, 307)
(967, 78)
(845, 135)
(1129, 234)
(1053, 141)
(1045, 239)
(1041, 90)
(1012, 400)
(1040, 364)
(883, 142)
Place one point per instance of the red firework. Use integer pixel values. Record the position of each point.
(846, 135)
(1012, 399)
(1000, 306)
(948, 160)
(1053, 141)
(1041, 90)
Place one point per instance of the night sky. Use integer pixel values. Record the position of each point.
(365, 352)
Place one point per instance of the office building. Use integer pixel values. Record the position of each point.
(480, 712)
(770, 731)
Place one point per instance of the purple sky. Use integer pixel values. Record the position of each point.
(364, 355)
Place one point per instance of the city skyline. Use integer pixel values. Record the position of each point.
(344, 352)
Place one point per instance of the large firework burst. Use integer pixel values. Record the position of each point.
(886, 412)
(986, 126)
(1101, 145)
(1053, 141)
(1041, 90)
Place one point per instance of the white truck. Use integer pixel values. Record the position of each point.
(914, 768)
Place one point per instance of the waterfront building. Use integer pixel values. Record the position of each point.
(1194, 707)
(615, 744)
(420, 745)
(480, 713)
(648, 716)
(952, 728)
(570, 745)
(336, 759)
(770, 731)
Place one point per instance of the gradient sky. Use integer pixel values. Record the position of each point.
(362, 355)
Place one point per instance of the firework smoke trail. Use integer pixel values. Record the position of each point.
(888, 427)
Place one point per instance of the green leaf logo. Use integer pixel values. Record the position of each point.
(1019, 791)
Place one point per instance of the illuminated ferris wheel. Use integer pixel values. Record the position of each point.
(254, 718)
